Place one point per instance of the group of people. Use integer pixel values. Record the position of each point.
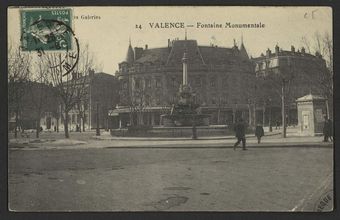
(240, 133)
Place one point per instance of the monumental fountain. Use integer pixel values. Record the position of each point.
(186, 112)
(183, 118)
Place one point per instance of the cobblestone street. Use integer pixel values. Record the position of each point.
(170, 179)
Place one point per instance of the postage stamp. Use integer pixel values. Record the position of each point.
(46, 29)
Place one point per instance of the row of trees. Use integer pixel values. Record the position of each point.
(32, 74)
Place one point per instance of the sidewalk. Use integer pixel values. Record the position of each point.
(107, 136)
(107, 141)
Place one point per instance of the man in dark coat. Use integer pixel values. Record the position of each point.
(326, 130)
(330, 129)
(240, 131)
(259, 132)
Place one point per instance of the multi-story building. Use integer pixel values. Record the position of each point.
(37, 103)
(296, 72)
(222, 80)
(102, 94)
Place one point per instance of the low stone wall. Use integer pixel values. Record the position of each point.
(202, 131)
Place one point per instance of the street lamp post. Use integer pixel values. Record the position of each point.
(283, 99)
(264, 113)
(270, 115)
(97, 119)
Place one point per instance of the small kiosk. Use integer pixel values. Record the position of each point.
(311, 114)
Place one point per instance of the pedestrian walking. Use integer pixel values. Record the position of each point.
(259, 133)
(330, 129)
(240, 130)
(277, 124)
(326, 130)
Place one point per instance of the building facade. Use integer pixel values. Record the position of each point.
(102, 95)
(37, 103)
(293, 73)
(150, 79)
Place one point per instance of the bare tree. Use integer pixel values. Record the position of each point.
(281, 79)
(85, 64)
(39, 90)
(322, 44)
(71, 88)
(18, 73)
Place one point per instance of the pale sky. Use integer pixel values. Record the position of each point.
(108, 37)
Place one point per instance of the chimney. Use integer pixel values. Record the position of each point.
(277, 48)
(268, 53)
(138, 52)
(91, 72)
(146, 46)
(317, 54)
(292, 48)
(303, 50)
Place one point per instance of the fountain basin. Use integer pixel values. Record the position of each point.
(183, 120)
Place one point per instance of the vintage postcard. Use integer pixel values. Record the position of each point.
(170, 109)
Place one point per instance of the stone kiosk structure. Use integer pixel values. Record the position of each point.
(311, 112)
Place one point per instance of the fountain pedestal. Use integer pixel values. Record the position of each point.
(185, 113)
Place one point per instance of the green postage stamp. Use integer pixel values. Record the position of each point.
(46, 30)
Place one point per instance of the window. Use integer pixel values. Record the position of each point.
(148, 83)
(125, 85)
(147, 100)
(224, 98)
(198, 81)
(137, 83)
(213, 99)
(173, 82)
(158, 82)
(225, 81)
(198, 98)
(213, 81)
(158, 100)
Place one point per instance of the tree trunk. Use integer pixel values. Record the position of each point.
(255, 114)
(57, 125)
(263, 116)
(270, 119)
(37, 128)
(140, 118)
(38, 123)
(81, 122)
(67, 135)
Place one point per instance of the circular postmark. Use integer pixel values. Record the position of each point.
(325, 202)
(53, 39)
